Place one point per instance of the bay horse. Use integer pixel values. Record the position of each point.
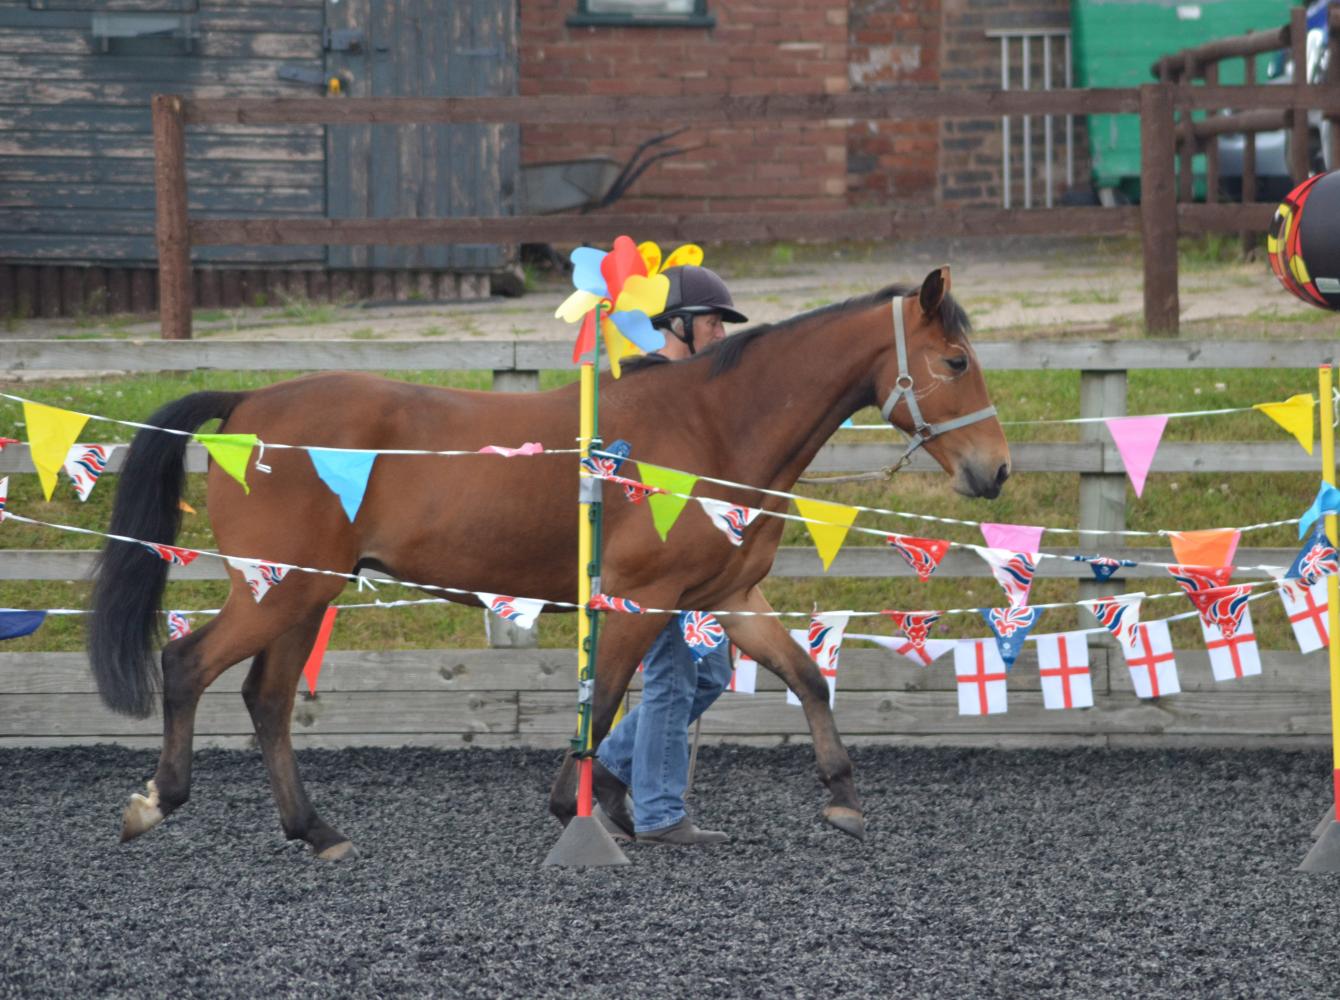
(753, 409)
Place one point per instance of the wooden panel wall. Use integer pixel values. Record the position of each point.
(75, 140)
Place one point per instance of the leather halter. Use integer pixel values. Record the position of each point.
(903, 389)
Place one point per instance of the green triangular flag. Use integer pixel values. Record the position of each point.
(664, 507)
(232, 452)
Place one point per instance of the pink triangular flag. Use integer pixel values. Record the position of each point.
(1137, 438)
(1015, 537)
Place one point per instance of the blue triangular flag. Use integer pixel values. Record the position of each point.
(346, 473)
(846, 423)
(16, 624)
(1327, 502)
(1316, 559)
(1010, 626)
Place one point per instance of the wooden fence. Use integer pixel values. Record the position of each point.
(1159, 219)
(510, 696)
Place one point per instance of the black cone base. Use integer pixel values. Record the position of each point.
(1325, 853)
(585, 844)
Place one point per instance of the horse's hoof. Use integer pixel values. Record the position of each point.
(849, 821)
(142, 814)
(343, 851)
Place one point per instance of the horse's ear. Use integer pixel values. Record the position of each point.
(934, 289)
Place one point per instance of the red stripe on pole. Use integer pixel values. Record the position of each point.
(312, 667)
(584, 788)
(1335, 776)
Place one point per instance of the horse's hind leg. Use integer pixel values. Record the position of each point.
(768, 642)
(269, 692)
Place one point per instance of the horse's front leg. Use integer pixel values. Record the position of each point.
(770, 644)
(623, 640)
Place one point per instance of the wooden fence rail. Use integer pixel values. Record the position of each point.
(1159, 219)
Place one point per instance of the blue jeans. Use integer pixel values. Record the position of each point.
(649, 749)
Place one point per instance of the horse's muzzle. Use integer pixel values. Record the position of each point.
(974, 483)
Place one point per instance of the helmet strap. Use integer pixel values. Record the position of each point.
(685, 338)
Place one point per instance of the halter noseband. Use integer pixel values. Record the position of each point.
(902, 389)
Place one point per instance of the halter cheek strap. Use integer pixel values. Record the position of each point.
(903, 390)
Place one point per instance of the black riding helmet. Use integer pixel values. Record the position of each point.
(695, 291)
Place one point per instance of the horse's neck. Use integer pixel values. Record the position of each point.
(791, 390)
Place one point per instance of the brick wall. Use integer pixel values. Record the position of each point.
(757, 47)
(970, 149)
(893, 45)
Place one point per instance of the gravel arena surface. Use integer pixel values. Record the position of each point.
(1085, 873)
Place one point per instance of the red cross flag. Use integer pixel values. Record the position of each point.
(1149, 654)
(1063, 665)
(1233, 651)
(1307, 609)
(744, 671)
(981, 677)
(923, 656)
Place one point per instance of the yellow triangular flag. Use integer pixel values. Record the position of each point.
(232, 452)
(50, 434)
(828, 537)
(1294, 415)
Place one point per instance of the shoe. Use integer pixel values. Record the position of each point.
(683, 834)
(612, 828)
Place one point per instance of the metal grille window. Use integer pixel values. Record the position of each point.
(1046, 50)
(643, 13)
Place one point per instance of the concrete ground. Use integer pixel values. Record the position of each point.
(1010, 288)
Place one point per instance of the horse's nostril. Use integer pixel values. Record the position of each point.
(1002, 474)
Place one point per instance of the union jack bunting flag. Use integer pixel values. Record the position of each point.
(1010, 626)
(702, 632)
(915, 625)
(604, 602)
(922, 554)
(260, 576)
(178, 625)
(731, 519)
(85, 463)
(1316, 559)
(1013, 571)
(1103, 567)
(521, 610)
(1119, 615)
(608, 465)
(171, 553)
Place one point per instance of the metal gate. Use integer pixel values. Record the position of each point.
(421, 48)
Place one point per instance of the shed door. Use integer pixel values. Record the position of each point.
(421, 48)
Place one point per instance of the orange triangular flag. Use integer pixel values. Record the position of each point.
(1205, 548)
(185, 507)
(312, 667)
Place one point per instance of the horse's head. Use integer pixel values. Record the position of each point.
(931, 387)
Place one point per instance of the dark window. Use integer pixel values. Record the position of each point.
(643, 13)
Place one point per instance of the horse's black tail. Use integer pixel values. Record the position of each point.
(127, 594)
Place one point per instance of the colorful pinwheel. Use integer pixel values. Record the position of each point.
(628, 286)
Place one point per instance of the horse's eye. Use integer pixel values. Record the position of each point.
(958, 364)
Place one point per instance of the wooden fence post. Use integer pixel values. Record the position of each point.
(511, 380)
(1158, 208)
(1102, 495)
(1300, 160)
(174, 246)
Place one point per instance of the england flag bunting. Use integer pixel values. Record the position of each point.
(981, 677)
(1013, 571)
(521, 610)
(178, 625)
(85, 463)
(702, 632)
(823, 641)
(744, 672)
(730, 518)
(1307, 609)
(4, 496)
(923, 655)
(922, 554)
(1063, 666)
(1226, 621)
(915, 625)
(1010, 626)
(1149, 655)
(1316, 559)
(260, 576)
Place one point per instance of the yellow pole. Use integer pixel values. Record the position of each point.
(1332, 581)
(588, 554)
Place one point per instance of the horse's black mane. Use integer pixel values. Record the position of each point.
(726, 354)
